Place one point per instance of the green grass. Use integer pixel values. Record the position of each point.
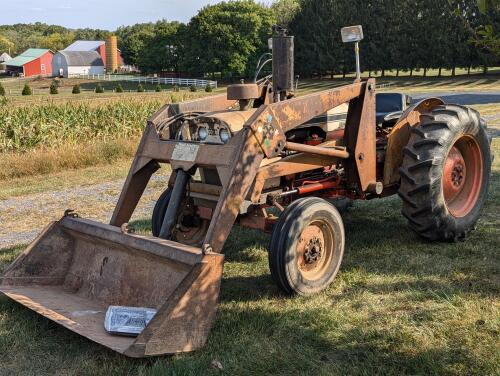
(41, 87)
(400, 305)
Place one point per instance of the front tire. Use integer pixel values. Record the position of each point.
(190, 229)
(307, 246)
(445, 173)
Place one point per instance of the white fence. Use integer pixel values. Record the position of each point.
(151, 80)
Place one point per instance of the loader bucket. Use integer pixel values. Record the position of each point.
(77, 268)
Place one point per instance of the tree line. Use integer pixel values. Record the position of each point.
(400, 35)
(224, 40)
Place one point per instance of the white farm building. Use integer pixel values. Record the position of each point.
(72, 63)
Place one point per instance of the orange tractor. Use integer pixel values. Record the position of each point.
(234, 157)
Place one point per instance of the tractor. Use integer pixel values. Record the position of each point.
(261, 157)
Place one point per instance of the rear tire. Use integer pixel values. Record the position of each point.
(445, 173)
(307, 246)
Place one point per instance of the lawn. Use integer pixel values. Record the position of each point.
(400, 305)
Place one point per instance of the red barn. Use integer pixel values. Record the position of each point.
(32, 62)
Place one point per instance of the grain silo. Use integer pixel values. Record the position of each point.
(111, 54)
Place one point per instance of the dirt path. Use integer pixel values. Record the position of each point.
(23, 218)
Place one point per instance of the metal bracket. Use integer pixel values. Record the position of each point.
(71, 213)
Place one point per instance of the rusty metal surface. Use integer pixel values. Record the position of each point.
(400, 135)
(77, 268)
(211, 103)
(271, 122)
(360, 138)
(243, 171)
(235, 120)
(243, 91)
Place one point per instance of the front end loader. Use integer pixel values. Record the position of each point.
(260, 157)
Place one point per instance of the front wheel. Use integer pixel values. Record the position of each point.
(307, 246)
(445, 173)
(190, 228)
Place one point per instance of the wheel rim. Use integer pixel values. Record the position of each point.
(315, 250)
(192, 235)
(462, 176)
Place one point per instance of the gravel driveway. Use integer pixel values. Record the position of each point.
(24, 217)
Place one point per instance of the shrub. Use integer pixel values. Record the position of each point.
(208, 88)
(2, 90)
(193, 89)
(54, 88)
(76, 89)
(26, 90)
(119, 89)
(99, 89)
(158, 88)
(176, 88)
(140, 88)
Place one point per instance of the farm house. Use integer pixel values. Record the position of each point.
(72, 63)
(32, 62)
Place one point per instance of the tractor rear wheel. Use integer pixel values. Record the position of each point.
(307, 245)
(445, 173)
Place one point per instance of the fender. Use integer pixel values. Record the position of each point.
(400, 135)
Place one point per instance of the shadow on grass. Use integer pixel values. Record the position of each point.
(246, 341)
(260, 331)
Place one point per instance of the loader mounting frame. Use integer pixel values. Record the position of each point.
(263, 136)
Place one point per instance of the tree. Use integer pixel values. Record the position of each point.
(6, 45)
(227, 38)
(158, 88)
(2, 90)
(76, 89)
(91, 34)
(119, 88)
(161, 50)
(99, 89)
(54, 87)
(57, 41)
(140, 88)
(284, 11)
(26, 90)
(132, 41)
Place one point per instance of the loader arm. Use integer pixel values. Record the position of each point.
(238, 162)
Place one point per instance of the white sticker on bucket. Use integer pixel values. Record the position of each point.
(185, 152)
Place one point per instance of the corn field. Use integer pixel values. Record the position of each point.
(54, 124)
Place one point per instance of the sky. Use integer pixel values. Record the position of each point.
(101, 14)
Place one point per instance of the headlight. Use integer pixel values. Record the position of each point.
(224, 135)
(202, 133)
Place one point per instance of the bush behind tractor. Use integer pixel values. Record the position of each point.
(260, 157)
